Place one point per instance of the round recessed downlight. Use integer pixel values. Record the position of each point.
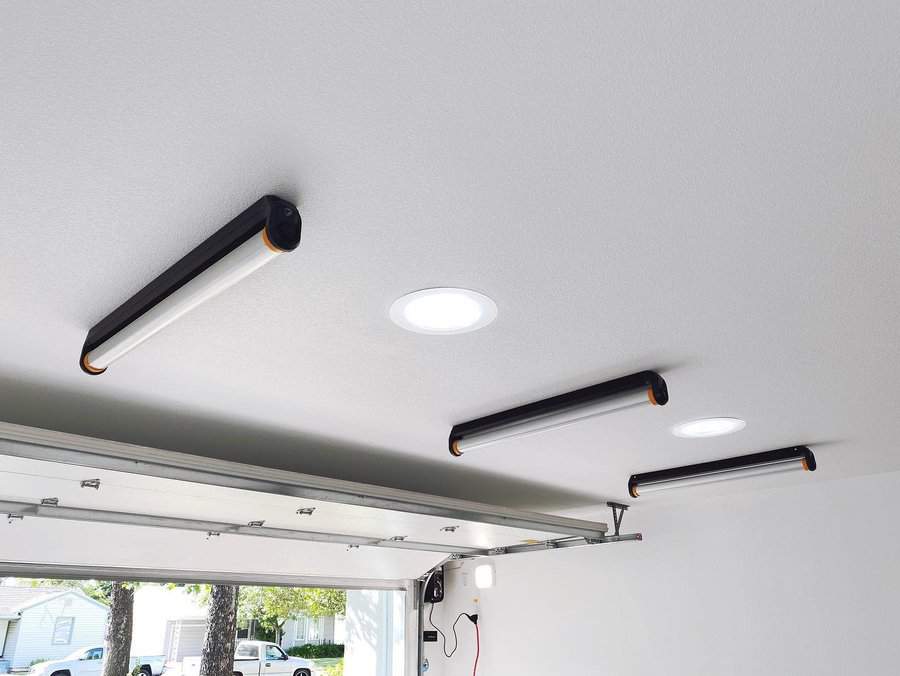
(708, 427)
(443, 310)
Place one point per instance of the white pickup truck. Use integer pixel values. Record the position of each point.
(257, 658)
(89, 662)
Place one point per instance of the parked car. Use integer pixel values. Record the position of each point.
(257, 658)
(89, 662)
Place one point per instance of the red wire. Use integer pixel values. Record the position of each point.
(477, 649)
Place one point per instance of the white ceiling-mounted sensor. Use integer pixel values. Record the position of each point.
(485, 576)
(443, 311)
(708, 427)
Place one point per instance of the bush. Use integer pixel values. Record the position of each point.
(47, 659)
(316, 650)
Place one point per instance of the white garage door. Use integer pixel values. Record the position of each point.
(184, 639)
(87, 506)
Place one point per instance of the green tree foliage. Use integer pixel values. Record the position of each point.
(324, 602)
(271, 607)
(99, 590)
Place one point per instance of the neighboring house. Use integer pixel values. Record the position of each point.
(305, 630)
(172, 622)
(45, 623)
(169, 622)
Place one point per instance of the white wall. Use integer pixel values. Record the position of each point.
(800, 581)
(375, 629)
(340, 629)
(154, 606)
(33, 634)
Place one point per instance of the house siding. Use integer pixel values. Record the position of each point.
(31, 637)
(325, 625)
(4, 625)
(184, 638)
(12, 634)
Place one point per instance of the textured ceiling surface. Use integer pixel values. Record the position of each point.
(709, 189)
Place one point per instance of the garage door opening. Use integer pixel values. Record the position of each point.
(82, 508)
(58, 627)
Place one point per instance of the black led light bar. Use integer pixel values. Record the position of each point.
(268, 228)
(793, 458)
(646, 387)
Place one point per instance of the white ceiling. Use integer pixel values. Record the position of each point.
(709, 189)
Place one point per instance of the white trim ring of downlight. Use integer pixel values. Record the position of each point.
(443, 311)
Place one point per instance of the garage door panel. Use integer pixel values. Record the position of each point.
(29, 480)
(161, 513)
(48, 541)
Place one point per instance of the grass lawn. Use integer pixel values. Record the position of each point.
(328, 662)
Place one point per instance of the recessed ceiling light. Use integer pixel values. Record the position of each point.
(443, 310)
(708, 427)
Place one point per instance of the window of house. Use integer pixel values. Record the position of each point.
(62, 630)
(313, 633)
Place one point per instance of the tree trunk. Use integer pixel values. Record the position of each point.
(118, 630)
(221, 626)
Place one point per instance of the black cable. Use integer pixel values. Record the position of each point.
(443, 636)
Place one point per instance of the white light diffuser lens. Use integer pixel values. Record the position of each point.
(245, 259)
(708, 427)
(553, 421)
(484, 576)
(443, 311)
(794, 465)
